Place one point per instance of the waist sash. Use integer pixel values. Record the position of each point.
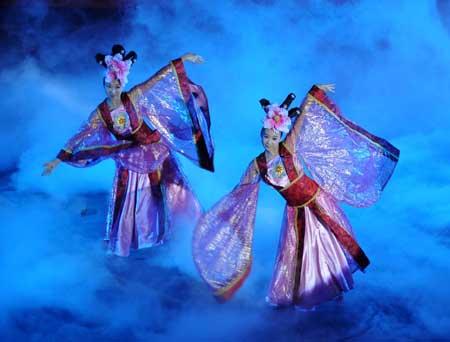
(301, 189)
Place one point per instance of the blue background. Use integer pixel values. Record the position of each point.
(390, 63)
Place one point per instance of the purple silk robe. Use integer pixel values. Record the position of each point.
(317, 252)
(167, 113)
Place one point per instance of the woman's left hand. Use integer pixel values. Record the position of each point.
(192, 57)
(50, 166)
(327, 87)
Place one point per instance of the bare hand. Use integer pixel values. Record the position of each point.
(50, 166)
(327, 87)
(192, 57)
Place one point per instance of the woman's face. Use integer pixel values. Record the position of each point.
(113, 89)
(270, 140)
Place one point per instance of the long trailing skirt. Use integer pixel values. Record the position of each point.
(145, 206)
(316, 256)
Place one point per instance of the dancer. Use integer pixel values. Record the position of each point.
(317, 251)
(140, 129)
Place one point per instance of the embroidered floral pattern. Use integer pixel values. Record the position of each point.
(279, 170)
(121, 121)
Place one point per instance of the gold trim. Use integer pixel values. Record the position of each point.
(257, 167)
(310, 200)
(222, 290)
(174, 70)
(99, 114)
(324, 213)
(340, 120)
(287, 148)
(139, 126)
(99, 146)
(133, 103)
(293, 161)
(297, 240)
(293, 182)
(135, 93)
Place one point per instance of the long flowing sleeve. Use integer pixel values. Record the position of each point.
(223, 238)
(178, 108)
(348, 162)
(91, 144)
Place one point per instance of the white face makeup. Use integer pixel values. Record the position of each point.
(113, 89)
(270, 140)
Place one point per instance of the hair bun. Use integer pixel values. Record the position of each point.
(286, 103)
(116, 49)
(293, 112)
(132, 56)
(264, 103)
(288, 100)
(100, 59)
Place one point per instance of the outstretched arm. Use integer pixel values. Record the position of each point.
(92, 123)
(251, 175)
(291, 138)
(146, 85)
(348, 162)
(93, 133)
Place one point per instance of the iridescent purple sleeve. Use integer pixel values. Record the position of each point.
(178, 109)
(91, 144)
(348, 162)
(222, 241)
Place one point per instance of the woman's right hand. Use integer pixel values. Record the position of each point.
(192, 57)
(50, 166)
(327, 87)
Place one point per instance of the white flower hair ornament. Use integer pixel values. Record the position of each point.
(117, 64)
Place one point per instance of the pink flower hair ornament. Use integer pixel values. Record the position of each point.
(117, 64)
(277, 118)
(117, 68)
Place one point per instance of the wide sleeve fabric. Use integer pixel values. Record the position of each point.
(346, 161)
(91, 144)
(182, 206)
(178, 108)
(223, 238)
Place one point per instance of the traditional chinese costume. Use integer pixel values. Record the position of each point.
(317, 251)
(165, 114)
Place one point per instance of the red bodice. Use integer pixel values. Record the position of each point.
(300, 190)
(141, 133)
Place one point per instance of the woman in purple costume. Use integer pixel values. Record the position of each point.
(317, 251)
(141, 129)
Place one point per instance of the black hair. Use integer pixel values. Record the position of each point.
(117, 48)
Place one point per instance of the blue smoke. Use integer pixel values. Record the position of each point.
(390, 65)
